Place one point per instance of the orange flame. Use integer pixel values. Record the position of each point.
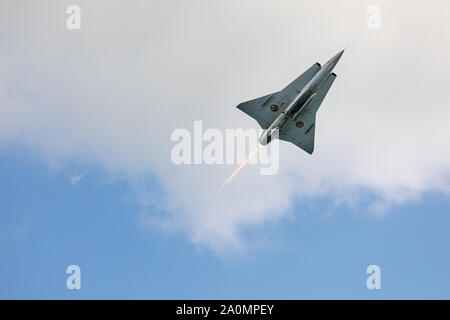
(242, 165)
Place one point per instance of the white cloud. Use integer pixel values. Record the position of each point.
(75, 179)
(112, 92)
(14, 232)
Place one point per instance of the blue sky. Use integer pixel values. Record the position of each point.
(48, 223)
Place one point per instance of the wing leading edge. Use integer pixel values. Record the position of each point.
(258, 110)
(265, 109)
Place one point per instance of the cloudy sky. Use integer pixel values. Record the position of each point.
(86, 175)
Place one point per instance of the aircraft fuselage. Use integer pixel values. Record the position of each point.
(301, 100)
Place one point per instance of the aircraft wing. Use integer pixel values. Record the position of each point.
(300, 131)
(296, 86)
(265, 109)
(259, 109)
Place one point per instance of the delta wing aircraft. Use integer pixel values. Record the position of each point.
(292, 111)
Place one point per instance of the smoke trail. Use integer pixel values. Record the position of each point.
(242, 165)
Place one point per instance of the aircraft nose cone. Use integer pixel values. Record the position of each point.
(338, 56)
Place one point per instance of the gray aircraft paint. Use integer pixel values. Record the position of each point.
(292, 111)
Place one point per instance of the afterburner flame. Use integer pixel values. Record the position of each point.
(242, 165)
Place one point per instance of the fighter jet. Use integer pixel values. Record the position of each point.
(292, 111)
